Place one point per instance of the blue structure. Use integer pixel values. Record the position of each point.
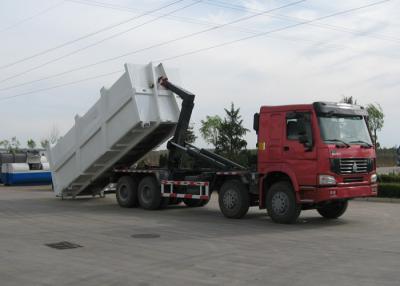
(22, 174)
(26, 178)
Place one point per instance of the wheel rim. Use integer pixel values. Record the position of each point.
(280, 203)
(230, 199)
(146, 193)
(123, 192)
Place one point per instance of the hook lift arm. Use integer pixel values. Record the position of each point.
(177, 144)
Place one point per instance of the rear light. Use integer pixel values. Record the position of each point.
(326, 180)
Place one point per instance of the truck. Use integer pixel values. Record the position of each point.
(309, 156)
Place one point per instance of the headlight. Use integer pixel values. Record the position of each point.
(374, 178)
(326, 180)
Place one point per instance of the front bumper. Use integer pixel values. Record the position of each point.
(321, 194)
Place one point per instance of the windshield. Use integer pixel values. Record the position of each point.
(349, 129)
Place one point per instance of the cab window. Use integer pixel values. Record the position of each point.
(298, 124)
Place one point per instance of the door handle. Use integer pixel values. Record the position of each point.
(286, 148)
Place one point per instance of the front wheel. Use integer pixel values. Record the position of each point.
(281, 203)
(233, 199)
(333, 209)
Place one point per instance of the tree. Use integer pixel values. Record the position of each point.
(44, 143)
(210, 129)
(349, 100)
(52, 138)
(14, 144)
(54, 135)
(5, 144)
(230, 140)
(11, 145)
(190, 136)
(31, 144)
(375, 120)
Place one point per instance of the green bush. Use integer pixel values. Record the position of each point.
(390, 178)
(389, 190)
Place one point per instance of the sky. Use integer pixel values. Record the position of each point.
(293, 54)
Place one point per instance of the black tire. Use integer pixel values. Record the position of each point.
(233, 199)
(126, 192)
(281, 203)
(333, 209)
(149, 193)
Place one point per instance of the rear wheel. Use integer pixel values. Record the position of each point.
(149, 193)
(126, 192)
(281, 203)
(333, 209)
(233, 199)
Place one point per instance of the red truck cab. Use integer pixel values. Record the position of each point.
(318, 155)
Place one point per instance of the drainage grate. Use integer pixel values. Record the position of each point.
(146, 235)
(63, 245)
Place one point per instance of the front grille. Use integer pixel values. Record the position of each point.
(349, 166)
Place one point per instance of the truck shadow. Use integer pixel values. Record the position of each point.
(175, 222)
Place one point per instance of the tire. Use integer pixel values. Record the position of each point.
(126, 192)
(149, 193)
(281, 203)
(333, 209)
(233, 199)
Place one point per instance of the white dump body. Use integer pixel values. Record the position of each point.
(131, 118)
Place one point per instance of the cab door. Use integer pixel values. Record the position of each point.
(299, 151)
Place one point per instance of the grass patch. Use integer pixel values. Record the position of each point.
(389, 190)
(389, 178)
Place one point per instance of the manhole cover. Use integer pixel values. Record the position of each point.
(63, 245)
(146, 235)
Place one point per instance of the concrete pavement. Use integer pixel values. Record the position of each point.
(190, 246)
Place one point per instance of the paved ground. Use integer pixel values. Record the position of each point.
(195, 247)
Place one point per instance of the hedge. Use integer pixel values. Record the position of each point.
(391, 178)
(389, 190)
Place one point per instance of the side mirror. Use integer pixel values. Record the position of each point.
(256, 122)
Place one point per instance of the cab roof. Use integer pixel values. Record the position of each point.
(320, 107)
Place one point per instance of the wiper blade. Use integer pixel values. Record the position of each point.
(340, 141)
(362, 142)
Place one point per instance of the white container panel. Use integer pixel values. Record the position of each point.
(124, 117)
(90, 151)
(116, 128)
